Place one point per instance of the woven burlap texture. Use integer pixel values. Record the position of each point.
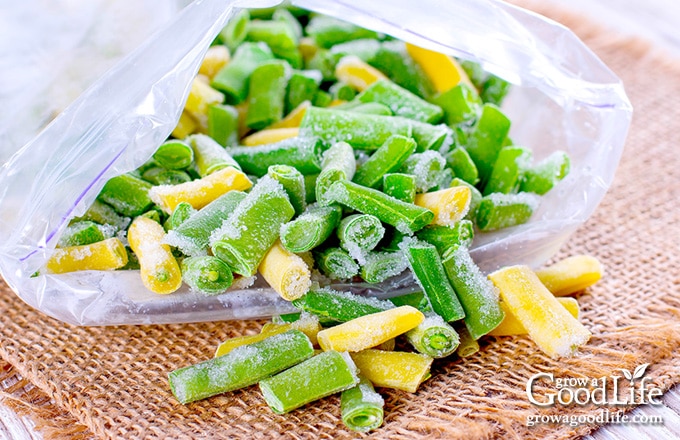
(112, 382)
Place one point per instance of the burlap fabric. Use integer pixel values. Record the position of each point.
(111, 382)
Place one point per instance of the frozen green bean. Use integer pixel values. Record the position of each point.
(487, 138)
(233, 79)
(428, 270)
(382, 265)
(328, 31)
(206, 274)
(463, 166)
(511, 163)
(540, 178)
(174, 155)
(182, 212)
(310, 187)
(461, 104)
(298, 152)
(267, 93)
(406, 217)
(336, 263)
(209, 155)
(369, 108)
(468, 345)
(400, 186)
(279, 35)
(498, 211)
(477, 294)
(360, 232)
(338, 163)
(339, 306)
(425, 167)
(320, 376)
(475, 198)
(444, 237)
(401, 102)
(284, 15)
(322, 99)
(100, 212)
(252, 228)
(161, 176)
(241, 367)
(342, 91)
(361, 407)
(236, 29)
(433, 337)
(127, 194)
(293, 182)
(84, 232)
(310, 229)
(387, 159)
(302, 86)
(494, 90)
(223, 124)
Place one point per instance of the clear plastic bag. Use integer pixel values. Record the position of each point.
(564, 98)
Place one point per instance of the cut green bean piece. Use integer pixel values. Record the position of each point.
(328, 31)
(322, 99)
(386, 159)
(400, 186)
(325, 374)
(339, 306)
(154, 215)
(486, 139)
(401, 102)
(236, 29)
(462, 165)
(310, 229)
(342, 91)
(161, 176)
(360, 232)
(475, 198)
(336, 263)
(324, 61)
(433, 337)
(511, 163)
(127, 194)
(381, 265)
(425, 167)
(298, 152)
(359, 130)
(543, 176)
(206, 274)
(362, 407)
(410, 299)
(192, 237)
(267, 93)
(100, 212)
(406, 217)
(293, 182)
(474, 71)
(365, 49)
(252, 228)
(286, 318)
(494, 90)
(284, 15)
(174, 155)
(338, 163)
(223, 124)
(233, 79)
(461, 104)
(445, 237)
(498, 211)
(370, 108)
(302, 86)
(210, 156)
(277, 34)
(84, 232)
(476, 292)
(182, 212)
(393, 60)
(241, 367)
(431, 137)
(427, 268)
(310, 187)
(468, 345)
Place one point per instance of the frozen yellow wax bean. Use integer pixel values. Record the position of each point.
(185, 126)
(548, 323)
(107, 254)
(294, 118)
(158, 267)
(393, 369)
(307, 324)
(449, 205)
(571, 275)
(353, 71)
(443, 71)
(336, 102)
(308, 47)
(201, 96)
(269, 136)
(286, 272)
(200, 192)
(511, 326)
(370, 330)
(215, 59)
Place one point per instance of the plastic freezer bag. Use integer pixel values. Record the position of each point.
(564, 98)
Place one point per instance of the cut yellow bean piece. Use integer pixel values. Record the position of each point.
(449, 205)
(370, 330)
(294, 118)
(571, 275)
(286, 273)
(200, 192)
(215, 58)
(356, 73)
(511, 326)
(443, 71)
(336, 102)
(185, 126)
(308, 47)
(393, 369)
(107, 254)
(201, 97)
(307, 324)
(269, 136)
(548, 323)
(159, 269)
